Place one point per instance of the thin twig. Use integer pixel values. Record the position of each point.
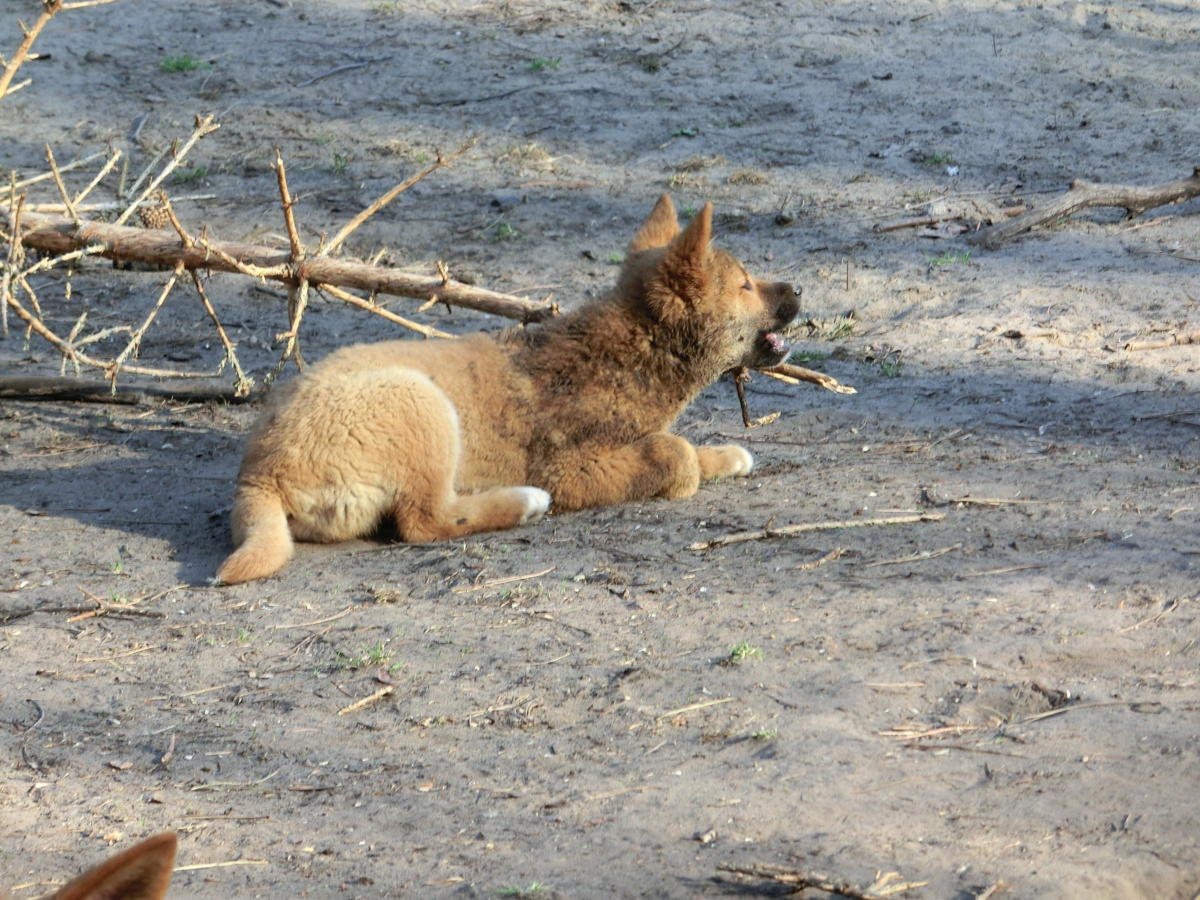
(790, 530)
(49, 9)
(243, 383)
(203, 127)
(829, 557)
(795, 374)
(46, 176)
(495, 582)
(691, 707)
(136, 339)
(367, 701)
(1175, 340)
(349, 227)
(289, 219)
(800, 880)
(104, 170)
(62, 188)
(427, 330)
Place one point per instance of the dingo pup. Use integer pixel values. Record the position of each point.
(449, 438)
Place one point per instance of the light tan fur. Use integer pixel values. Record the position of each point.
(143, 872)
(451, 438)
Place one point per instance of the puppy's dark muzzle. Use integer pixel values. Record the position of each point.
(789, 305)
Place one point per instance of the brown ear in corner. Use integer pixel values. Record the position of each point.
(142, 872)
(658, 230)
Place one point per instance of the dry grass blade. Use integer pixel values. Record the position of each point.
(367, 701)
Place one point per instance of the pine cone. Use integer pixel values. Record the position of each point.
(154, 216)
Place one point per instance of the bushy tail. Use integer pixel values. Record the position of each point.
(260, 530)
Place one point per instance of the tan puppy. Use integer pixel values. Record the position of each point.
(448, 438)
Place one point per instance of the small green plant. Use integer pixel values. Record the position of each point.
(422, 158)
(743, 651)
(505, 232)
(182, 63)
(616, 258)
(841, 327)
(807, 357)
(689, 132)
(949, 258)
(936, 159)
(188, 175)
(386, 7)
(339, 162)
(514, 891)
(117, 568)
(651, 63)
(689, 212)
(243, 635)
(542, 63)
(889, 368)
(764, 734)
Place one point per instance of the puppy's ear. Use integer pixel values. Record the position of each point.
(658, 230)
(690, 248)
(140, 873)
(682, 276)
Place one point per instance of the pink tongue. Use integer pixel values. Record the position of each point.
(774, 341)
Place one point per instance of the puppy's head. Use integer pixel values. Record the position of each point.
(707, 304)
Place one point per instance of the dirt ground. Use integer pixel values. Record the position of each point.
(585, 731)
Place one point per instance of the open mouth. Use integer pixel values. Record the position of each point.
(775, 344)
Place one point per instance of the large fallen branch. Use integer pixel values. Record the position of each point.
(1082, 195)
(81, 390)
(57, 235)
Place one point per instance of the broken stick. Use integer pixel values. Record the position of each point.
(800, 880)
(789, 530)
(1175, 340)
(1081, 195)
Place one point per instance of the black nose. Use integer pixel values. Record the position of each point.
(797, 290)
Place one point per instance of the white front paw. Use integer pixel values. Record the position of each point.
(745, 463)
(536, 503)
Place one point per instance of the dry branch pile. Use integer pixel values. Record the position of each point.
(62, 240)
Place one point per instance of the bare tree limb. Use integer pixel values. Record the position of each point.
(55, 234)
(1134, 199)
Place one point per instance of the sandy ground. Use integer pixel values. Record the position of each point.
(575, 733)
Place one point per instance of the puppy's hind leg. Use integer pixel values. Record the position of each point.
(457, 515)
(430, 509)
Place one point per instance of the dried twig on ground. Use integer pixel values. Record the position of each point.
(1175, 340)
(800, 880)
(790, 530)
(367, 701)
(1081, 195)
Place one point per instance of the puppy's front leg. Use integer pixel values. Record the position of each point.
(658, 465)
(724, 461)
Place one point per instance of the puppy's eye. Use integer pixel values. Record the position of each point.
(747, 286)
